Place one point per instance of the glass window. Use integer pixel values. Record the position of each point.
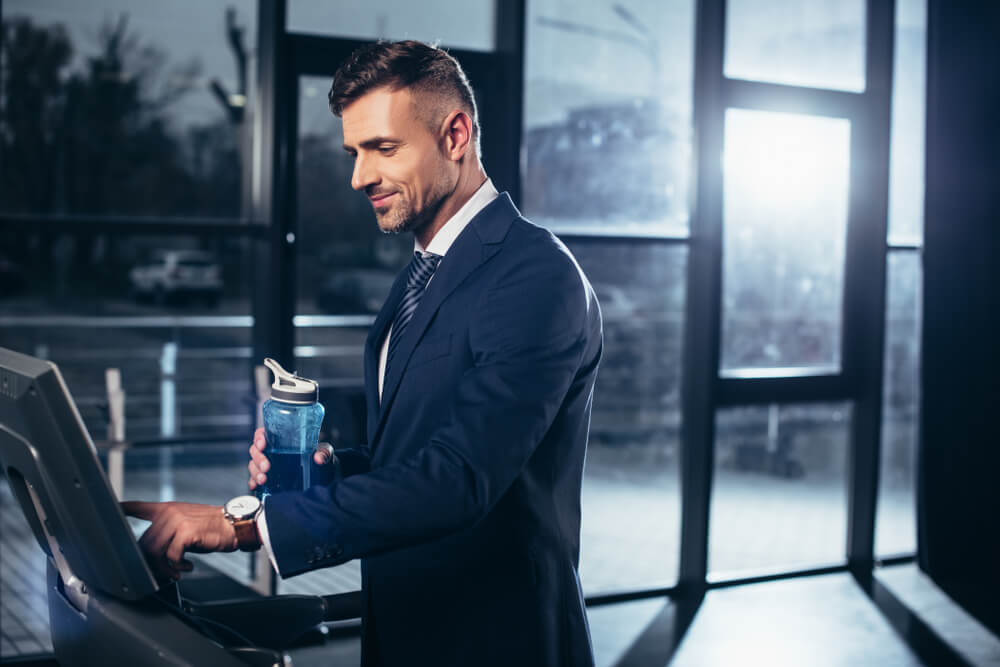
(118, 109)
(785, 200)
(607, 116)
(906, 155)
(797, 42)
(452, 23)
(895, 527)
(631, 496)
(779, 495)
(179, 333)
(896, 522)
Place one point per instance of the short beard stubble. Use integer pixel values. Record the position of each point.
(403, 218)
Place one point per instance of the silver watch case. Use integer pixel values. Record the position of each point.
(241, 508)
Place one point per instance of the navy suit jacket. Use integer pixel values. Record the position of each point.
(468, 521)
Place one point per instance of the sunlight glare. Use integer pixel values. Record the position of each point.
(782, 160)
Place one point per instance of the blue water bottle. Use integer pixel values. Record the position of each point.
(292, 418)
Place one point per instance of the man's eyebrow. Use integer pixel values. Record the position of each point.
(373, 142)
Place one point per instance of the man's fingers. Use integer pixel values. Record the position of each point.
(157, 537)
(256, 476)
(163, 573)
(148, 543)
(175, 551)
(159, 564)
(153, 539)
(258, 464)
(141, 510)
(255, 454)
(259, 459)
(178, 528)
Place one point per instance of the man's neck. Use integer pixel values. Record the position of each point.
(468, 183)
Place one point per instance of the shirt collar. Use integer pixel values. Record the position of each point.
(439, 245)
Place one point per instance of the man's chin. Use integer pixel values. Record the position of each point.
(395, 226)
(392, 226)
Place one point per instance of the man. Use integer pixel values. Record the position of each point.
(479, 373)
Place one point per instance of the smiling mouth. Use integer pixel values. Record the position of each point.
(381, 200)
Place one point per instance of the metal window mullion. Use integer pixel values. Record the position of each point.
(274, 297)
(904, 247)
(703, 303)
(274, 117)
(865, 283)
(766, 96)
(135, 226)
(784, 390)
(612, 237)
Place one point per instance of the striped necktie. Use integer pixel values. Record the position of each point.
(420, 271)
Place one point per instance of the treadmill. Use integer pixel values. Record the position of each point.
(105, 605)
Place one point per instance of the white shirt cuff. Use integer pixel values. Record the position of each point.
(265, 540)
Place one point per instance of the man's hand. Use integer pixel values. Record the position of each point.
(178, 528)
(259, 465)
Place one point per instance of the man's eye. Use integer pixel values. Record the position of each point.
(387, 150)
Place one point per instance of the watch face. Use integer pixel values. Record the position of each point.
(242, 507)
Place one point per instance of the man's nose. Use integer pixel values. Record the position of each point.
(363, 174)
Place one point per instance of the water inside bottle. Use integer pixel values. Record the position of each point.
(289, 471)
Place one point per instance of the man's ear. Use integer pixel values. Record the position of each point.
(457, 134)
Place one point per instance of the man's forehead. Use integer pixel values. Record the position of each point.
(380, 112)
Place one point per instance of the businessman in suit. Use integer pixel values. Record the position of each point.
(464, 505)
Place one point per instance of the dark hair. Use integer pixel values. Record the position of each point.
(406, 64)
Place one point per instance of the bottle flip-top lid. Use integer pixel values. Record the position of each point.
(290, 388)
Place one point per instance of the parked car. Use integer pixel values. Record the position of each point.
(173, 275)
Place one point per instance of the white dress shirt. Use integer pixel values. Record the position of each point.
(439, 245)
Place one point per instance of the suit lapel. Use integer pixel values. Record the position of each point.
(477, 243)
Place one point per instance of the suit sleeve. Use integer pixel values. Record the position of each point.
(527, 343)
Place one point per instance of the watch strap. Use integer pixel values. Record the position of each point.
(246, 534)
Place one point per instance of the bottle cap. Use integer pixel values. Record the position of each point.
(290, 388)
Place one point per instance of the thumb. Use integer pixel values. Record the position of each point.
(324, 453)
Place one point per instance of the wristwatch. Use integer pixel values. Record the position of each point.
(242, 512)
